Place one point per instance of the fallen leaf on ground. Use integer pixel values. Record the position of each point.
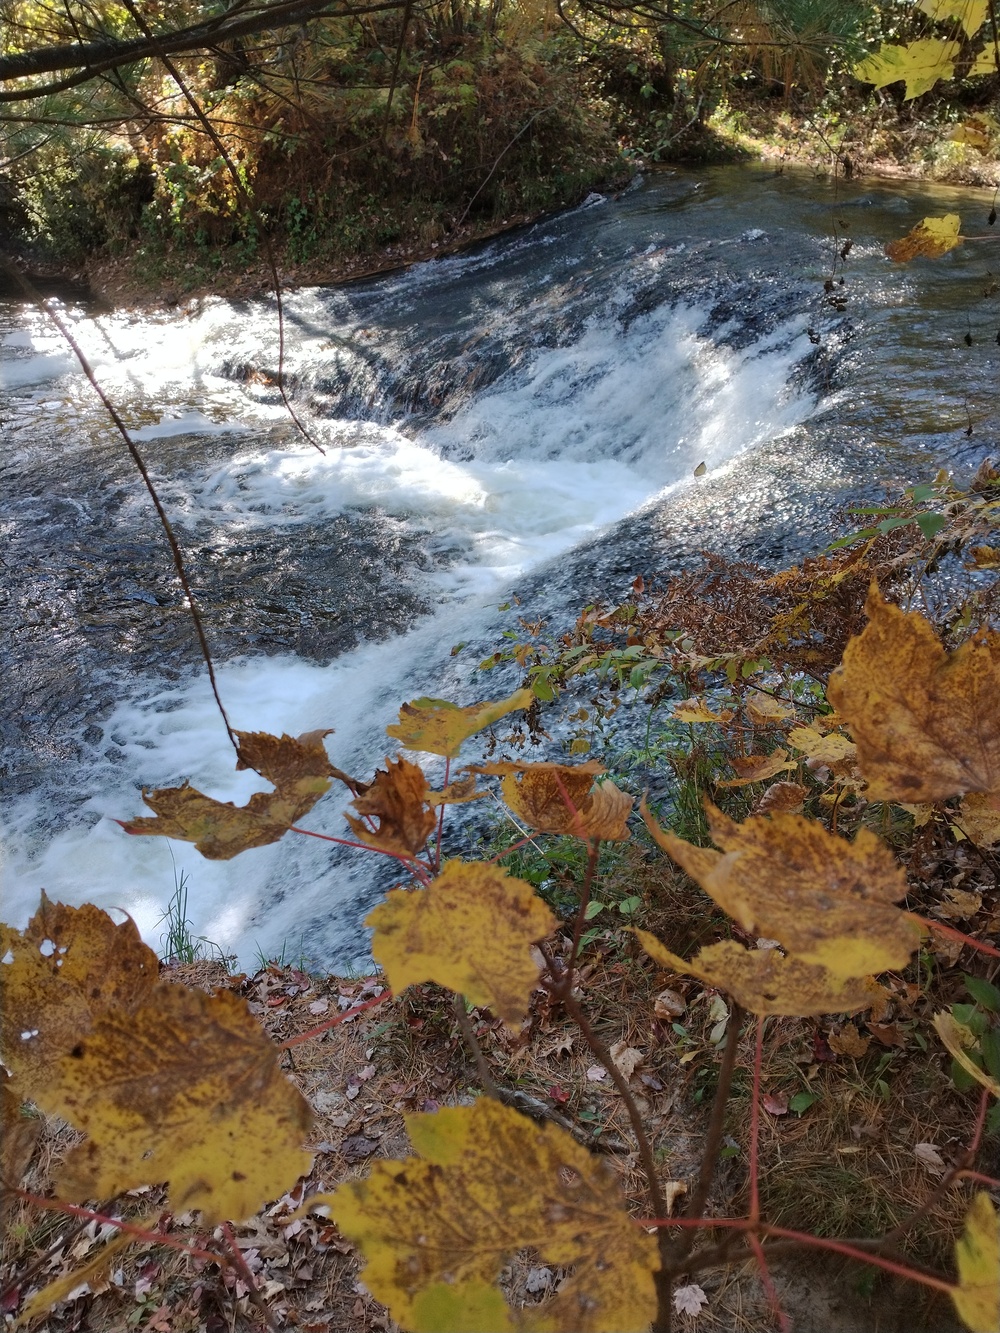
(597, 1073)
(781, 798)
(469, 930)
(690, 1300)
(436, 1228)
(928, 1155)
(669, 1004)
(627, 1058)
(697, 710)
(756, 768)
(849, 1041)
(775, 1103)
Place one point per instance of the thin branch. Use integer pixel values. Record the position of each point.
(471, 1040)
(335, 1021)
(36, 297)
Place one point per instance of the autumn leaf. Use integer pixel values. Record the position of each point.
(469, 930)
(960, 1040)
(17, 1140)
(979, 817)
(697, 710)
(59, 1288)
(398, 799)
(971, 14)
(756, 768)
(829, 902)
(186, 1089)
(826, 748)
(457, 793)
(929, 239)
(763, 710)
(436, 726)
(977, 1254)
(849, 1042)
(68, 967)
(437, 1228)
(764, 981)
(921, 64)
(562, 798)
(985, 62)
(926, 722)
(781, 798)
(299, 770)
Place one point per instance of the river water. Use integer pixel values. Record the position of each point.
(522, 419)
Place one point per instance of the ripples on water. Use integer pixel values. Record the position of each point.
(524, 417)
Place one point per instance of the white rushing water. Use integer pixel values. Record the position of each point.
(575, 437)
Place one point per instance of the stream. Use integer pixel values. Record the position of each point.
(523, 419)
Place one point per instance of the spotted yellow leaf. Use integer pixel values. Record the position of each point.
(299, 770)
(435, 726)
(986, 62)
(827, 901)
(186, 1089)
(399, 800)
(764, 981)
(469, 930)
(826, 748)
(921, 64)
(971, 14)
(977, 1255)
(437, 1228)
(563, 798)
(697, 710)
(926, 722)
(929, 239)
(67, 967)
(757, 768)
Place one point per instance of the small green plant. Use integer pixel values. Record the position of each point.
(177, 943)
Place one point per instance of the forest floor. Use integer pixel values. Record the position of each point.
(864, 1152)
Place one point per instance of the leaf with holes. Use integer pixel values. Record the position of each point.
(764, 981)
(563, 798)
(827, 901)
(67, 967)
(437, 1228)
(299, 770)
(469, 930)
(399, 800)
(926, 721)
(435, 726)
(186, 1089)
(977, 1254)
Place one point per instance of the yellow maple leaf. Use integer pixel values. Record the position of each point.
(399, 800)
(960, 1040)
(436, 726)
(67, 967)
(437, 1228)
(186, 1089)
(926, 721)
(929, 239)
(831, 748)
(921, 64)
(697, 710)
(763, 710)
(757, 768)
(827, 901)
(971, 14)
(977, 1254)
(986, 62)
(300, 771)
(764, 980)
(979, 818)
(18, 1135)
(562, 798)
(469, 930)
